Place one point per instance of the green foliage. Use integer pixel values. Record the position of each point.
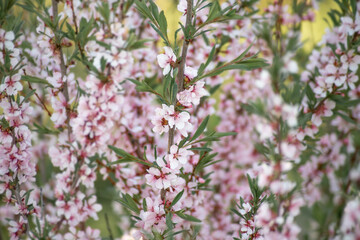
(32, 79)
(127, 158)
(187, 217)
(127, 201)
(157, 20)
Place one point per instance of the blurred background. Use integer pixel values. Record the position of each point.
(312, 33)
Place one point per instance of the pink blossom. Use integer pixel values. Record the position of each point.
(182, 6)
(12, 84)
(335, 75)
(351, 80)
(177, 156)
(6, 39)
(193, 94)
(246, 207)
(322, 87)
(160, 121)
(166, 60)
(162, 178)
(324, 110)
(351, 26)
(154, 216)
(179, 120)
(350, 60)
(57, 80)
(17, 228)
(59, 104)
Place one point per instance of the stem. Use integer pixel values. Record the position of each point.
(278, 28)
(108, 227)
(40, 100)
(18, 199)
(74, 17)
(62, 66)
(180, 76)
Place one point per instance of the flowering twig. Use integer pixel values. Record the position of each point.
(62, 66)
(180, 76)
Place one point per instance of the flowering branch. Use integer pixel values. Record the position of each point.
(181, 71)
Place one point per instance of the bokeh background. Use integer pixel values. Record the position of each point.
(312, 33)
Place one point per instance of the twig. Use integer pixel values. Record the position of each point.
(18, 199)
(40, 100)
(180, 76)
(108, 227)
(62, 66)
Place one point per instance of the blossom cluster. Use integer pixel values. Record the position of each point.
(226, 131)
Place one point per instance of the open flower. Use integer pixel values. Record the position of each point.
(12, 84)
(177, 119)
(335, 75)
(246, 208)
(160, 122)
(166, 60)
(351, 26)
(6, 39)
(178, 155)
(162, 178)
(193, 94)
(182, 6)
(350, 60)
(324, 110)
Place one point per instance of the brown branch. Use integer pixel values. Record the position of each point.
(135, 143)
(180, 76)
(278, 27)
(74, 17)
(108, 227)
(40, 100)
(62, 66)
(19, 201)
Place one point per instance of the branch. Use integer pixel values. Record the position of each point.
(180, 76)
(62, 66)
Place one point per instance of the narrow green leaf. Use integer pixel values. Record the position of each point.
(201, 149)
(32, 79)
(177, 198)
(201, 128)
(224, 134)
(129, 203)
(187, 217)
(28, 95)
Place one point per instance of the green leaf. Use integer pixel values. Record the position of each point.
(144, 205)
(246, 65)
(144, 87)
(154, 10)
(201, 149)
(169, 222)
(127, 157)
(210, 58)
(224, 134)
(143, 9)
(163, 23)
(44, 130)
(353, 6)
(200, 129)
(345, 117)
(28, 95)
(187, 217)
(214, 12)
(129, 203)
(177, 198)
(32, 79)
(138, 44)
(242, 55)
